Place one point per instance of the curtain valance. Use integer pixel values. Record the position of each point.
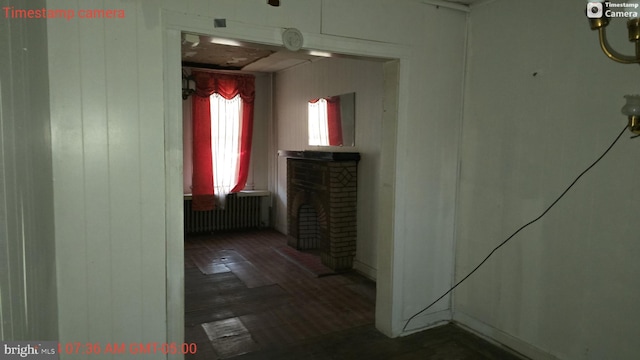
(227, 85)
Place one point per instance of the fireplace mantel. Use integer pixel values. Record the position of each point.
(320, 155)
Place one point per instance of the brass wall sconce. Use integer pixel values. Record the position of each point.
(599, 14)
(633, 26)
(632, 110)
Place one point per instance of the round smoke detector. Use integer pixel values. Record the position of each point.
(292, 39)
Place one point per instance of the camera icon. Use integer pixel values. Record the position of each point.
(594, 10)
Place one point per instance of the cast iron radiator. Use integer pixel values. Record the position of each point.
(240, 212)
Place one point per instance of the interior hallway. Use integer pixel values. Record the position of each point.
(246, 297)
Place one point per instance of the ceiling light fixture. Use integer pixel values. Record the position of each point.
(319, 53)
(600, 14)
(221, 41)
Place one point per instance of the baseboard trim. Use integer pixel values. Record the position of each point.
(365, 269)
(425, 321)
(498, 337)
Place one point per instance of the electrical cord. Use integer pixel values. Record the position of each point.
(517, 231)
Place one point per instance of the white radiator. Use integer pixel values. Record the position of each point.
(243, 210)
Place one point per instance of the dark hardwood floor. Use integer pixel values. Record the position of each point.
(246, 299)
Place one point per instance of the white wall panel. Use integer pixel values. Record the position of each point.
(386, 20)
(95, 145)
(28, 307)
(427, 164)
(538, 111)
(108, 128)
(259, 171)
(152, 205)
(124, 164)
(301, 14)
(68, 175)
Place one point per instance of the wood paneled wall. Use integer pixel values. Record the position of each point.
(28, 306)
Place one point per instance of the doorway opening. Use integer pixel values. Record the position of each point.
(175, 229)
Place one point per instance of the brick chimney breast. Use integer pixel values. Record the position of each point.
(322, 204)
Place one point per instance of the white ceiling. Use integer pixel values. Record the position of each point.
(218, 54)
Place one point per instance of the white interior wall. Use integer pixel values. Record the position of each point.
(28, 307)
(259, 172)
(107, 120)
(294, 87)
(258, 169)
(540, 108)
(109, 146)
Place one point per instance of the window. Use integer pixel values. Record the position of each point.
(226, 119)
(222, 135)
(318, 124)
(325, 124)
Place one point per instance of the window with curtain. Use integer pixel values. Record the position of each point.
(325, 123)
(318, 125)
(222, 135)
(226, 122)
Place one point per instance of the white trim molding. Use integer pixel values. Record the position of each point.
(501, 338)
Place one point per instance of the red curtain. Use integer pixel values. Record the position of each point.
(334, 121)
(202, 177)
(228, 86)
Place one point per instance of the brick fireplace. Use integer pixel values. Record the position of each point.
(322, 203)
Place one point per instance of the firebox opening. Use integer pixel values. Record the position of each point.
(308, 228)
